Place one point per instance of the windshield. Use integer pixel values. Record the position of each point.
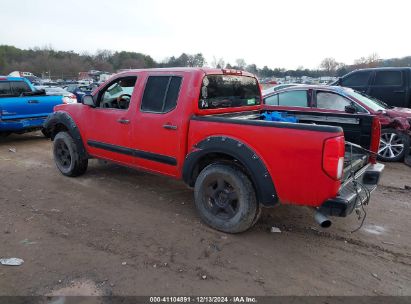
(228, 91)
(373, 103)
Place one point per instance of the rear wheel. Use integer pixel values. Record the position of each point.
(66, 156)
(225, 198)
(393, 145)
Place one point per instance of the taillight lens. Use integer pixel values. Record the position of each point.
(333, 157)
(375, 139)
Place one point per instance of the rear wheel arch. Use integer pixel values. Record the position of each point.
(227, 150)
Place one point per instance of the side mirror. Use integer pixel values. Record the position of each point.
(350, 109)
(88, 100)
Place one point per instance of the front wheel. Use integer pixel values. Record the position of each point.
(225, 198)
(394, 145)
(66, 156)
(4, 134)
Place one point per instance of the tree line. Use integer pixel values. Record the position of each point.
(67, 64)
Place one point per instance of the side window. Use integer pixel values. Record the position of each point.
(5, 89)
(331, 101)
(388, 78)
(356, 79)
(271, 100)
(161, 94)
(293, 99)
(19, 87)
(117, 95)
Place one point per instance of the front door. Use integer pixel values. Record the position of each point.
(358, 80)
(109, 125)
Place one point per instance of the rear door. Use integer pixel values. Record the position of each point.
(358, 80)
(390, 87)
(158, 134)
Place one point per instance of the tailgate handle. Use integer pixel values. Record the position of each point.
(33, 101)
(169, 127)
(123, 121)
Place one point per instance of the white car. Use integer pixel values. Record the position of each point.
(67, 96)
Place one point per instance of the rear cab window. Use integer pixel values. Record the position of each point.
(229, 91)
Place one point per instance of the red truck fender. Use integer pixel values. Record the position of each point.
(220, 149)
(62, 121)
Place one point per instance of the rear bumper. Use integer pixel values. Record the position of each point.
(20, 125)
(348, 197)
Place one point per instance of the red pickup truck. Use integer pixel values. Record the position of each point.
(205, 126)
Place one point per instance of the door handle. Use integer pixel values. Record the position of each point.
(123, 121)
(399, 91)
(33, 101)
(169, 127)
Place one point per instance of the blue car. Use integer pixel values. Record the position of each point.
(79, 90)
(22, 108)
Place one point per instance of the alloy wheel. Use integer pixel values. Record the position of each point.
(391, 145)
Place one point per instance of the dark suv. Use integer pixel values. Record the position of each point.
(391, 85)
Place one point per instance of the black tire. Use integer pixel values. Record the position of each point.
(4, 134)
(394, 145)
(66, 156)
(45, 133)
(225, 198)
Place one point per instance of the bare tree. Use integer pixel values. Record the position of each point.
(240, 64)
(218, 63)
(329, 65)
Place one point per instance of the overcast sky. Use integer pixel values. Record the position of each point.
(286, 33)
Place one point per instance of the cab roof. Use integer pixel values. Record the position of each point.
(207, 71)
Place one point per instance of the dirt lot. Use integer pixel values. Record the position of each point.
(122, 232)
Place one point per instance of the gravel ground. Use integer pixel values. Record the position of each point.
(115, 231)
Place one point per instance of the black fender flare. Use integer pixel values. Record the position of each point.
(53, 123)
(255, 167)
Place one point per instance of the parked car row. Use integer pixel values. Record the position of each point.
(395, 121)
(57, 91)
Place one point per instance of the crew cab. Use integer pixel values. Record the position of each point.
(206, 127)
(22, 108)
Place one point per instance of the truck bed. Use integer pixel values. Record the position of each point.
(356, 129)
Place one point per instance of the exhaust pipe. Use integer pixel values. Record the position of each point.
(322, 220)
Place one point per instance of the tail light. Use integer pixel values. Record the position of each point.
(333, 157)
(375, 139)
(232, 72)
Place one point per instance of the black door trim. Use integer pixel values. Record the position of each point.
(132, 152)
